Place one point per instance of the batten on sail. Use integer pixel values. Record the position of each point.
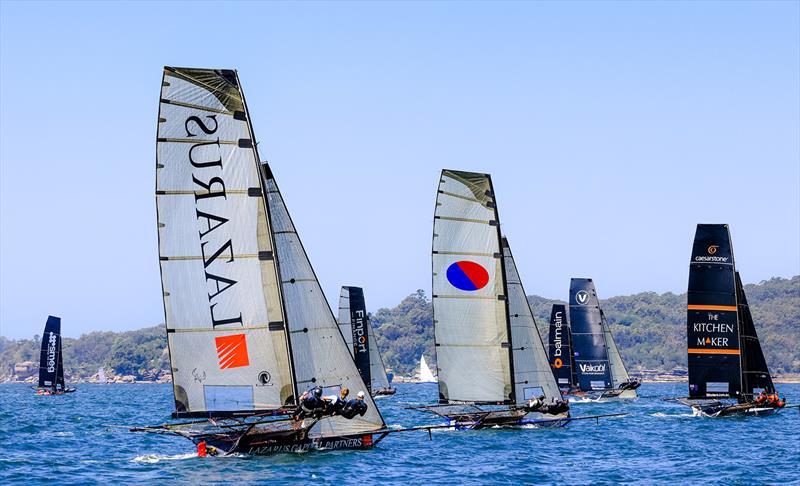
(712, 317)
(469, 295)
(532, 375)
(224, 318)
(319, 351)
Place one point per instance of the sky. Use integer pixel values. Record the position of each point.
(610, 129)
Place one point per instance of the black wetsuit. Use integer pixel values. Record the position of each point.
(353, 407)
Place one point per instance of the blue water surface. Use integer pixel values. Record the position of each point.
(73, 439)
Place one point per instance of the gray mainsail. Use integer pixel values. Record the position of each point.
(619, 374)
(319, 351)
(532, 375)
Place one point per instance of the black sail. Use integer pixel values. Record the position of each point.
(588, 339)
(712, 318)
(560, 347)
(51, 365)
(755, 373)
(360, 334)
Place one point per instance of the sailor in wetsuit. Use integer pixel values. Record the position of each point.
(335, 403)
(554, 407)
(355, 407)
(311, 404)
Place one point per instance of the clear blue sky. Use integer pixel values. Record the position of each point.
(610, 129)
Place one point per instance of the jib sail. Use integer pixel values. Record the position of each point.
(358, 333)
(619, 374)
(712, 317)
(51, 364)
(560, 347)
(532, 375)
(222, 302)
(588, 338)
(755, 373)
(319, 351)
(470, 309)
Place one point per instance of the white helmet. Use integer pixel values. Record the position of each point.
(360, 395)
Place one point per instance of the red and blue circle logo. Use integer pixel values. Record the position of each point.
(467, 275)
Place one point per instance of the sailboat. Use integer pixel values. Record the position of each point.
(101, 376)
(248, 326)
(728, 374)
(600, 370)
(493, 368)
(425, 373)
(51, 362)
(356, 328)
(562, 359)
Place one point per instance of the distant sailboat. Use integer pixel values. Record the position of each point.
(356, 328)
(600, 370)
(425, 374)
(492, 365)
(51, 361)
(728, 374)
(562, 358)
(101, 376)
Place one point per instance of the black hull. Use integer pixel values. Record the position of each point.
(385, 392)
(716, 409)
(268, 444)
(504, 419)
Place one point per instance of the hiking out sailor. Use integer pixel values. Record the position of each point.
(311, 403)
(334, 404)
(355, 407)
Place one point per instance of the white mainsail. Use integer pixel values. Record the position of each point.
(469, 296)
(619, 374)
(101, 376)
(222, 302)
(533, 377)
(425, 374)
(319, 352)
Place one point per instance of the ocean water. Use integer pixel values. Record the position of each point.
(76, 439)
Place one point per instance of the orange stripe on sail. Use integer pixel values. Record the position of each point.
(712, 307)
(713, 351)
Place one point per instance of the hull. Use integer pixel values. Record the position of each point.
(717, 409)
(267, 444)
(384, 392)
(509, 418)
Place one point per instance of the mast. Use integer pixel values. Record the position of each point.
(755, 372)
(712, 322)
(224, 315)
(320, 353)
(470, 305)
(532, 375)
(589, 343)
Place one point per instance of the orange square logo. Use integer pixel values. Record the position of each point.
(232, 351)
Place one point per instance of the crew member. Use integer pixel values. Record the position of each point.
(335, 403)
(355, 407)
(311, 403)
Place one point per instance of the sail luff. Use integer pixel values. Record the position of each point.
(469, 297)
(223, 310)
(713, 344)
(532, 375)
(321, 355)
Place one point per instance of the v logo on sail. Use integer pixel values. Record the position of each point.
(582, 297)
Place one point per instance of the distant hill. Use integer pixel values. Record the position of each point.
(648, 327)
